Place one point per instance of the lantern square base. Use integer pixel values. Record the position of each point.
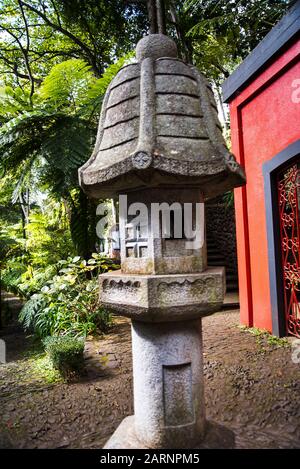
(216, 437)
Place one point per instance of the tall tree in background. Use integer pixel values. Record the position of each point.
(221, 33)
(36, 34)
(214, 34)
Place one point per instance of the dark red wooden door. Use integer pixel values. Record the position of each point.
(288, 184)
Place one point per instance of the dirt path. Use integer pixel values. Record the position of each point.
(252, 386)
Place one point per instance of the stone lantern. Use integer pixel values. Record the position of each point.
(160, 145)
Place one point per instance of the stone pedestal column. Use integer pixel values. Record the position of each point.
(168, 383)
(169, 410)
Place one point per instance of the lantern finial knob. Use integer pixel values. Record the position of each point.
(155, 46)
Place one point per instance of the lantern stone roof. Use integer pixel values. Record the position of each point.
(159, 127)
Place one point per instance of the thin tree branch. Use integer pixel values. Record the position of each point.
(15, 71)
(180, 35)
(26, 51)
(152, 16)
(67, 33)
(160, 14)
(57, 13)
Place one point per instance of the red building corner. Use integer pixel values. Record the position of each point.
(264, 99)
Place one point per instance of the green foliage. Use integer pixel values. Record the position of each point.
(67, 84)
(27, 263)
(37, 34)
(42, 144)
(32, 316)
(57, 128)
(45, 144)
(263, 337)
(61, 141)
(11, 275)
(68, 303)
(228, 198)
(66, 354)
(222, 33)
(14, 101)
(40, 367)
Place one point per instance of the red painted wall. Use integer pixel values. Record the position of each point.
(264, 120)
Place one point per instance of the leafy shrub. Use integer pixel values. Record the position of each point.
(66, 354)
(11, 275)
(27, 264)
(31, 282)
(68, 303)
(34, 316)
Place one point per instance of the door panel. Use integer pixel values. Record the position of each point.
(288, 186)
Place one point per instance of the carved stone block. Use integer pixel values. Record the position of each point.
(159, 298)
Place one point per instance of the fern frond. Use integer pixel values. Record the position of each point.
(68, 143)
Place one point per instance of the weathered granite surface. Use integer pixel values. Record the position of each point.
(168, 383)
(160, 298)
(155, 46)
(216, 437)
(159, 125)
